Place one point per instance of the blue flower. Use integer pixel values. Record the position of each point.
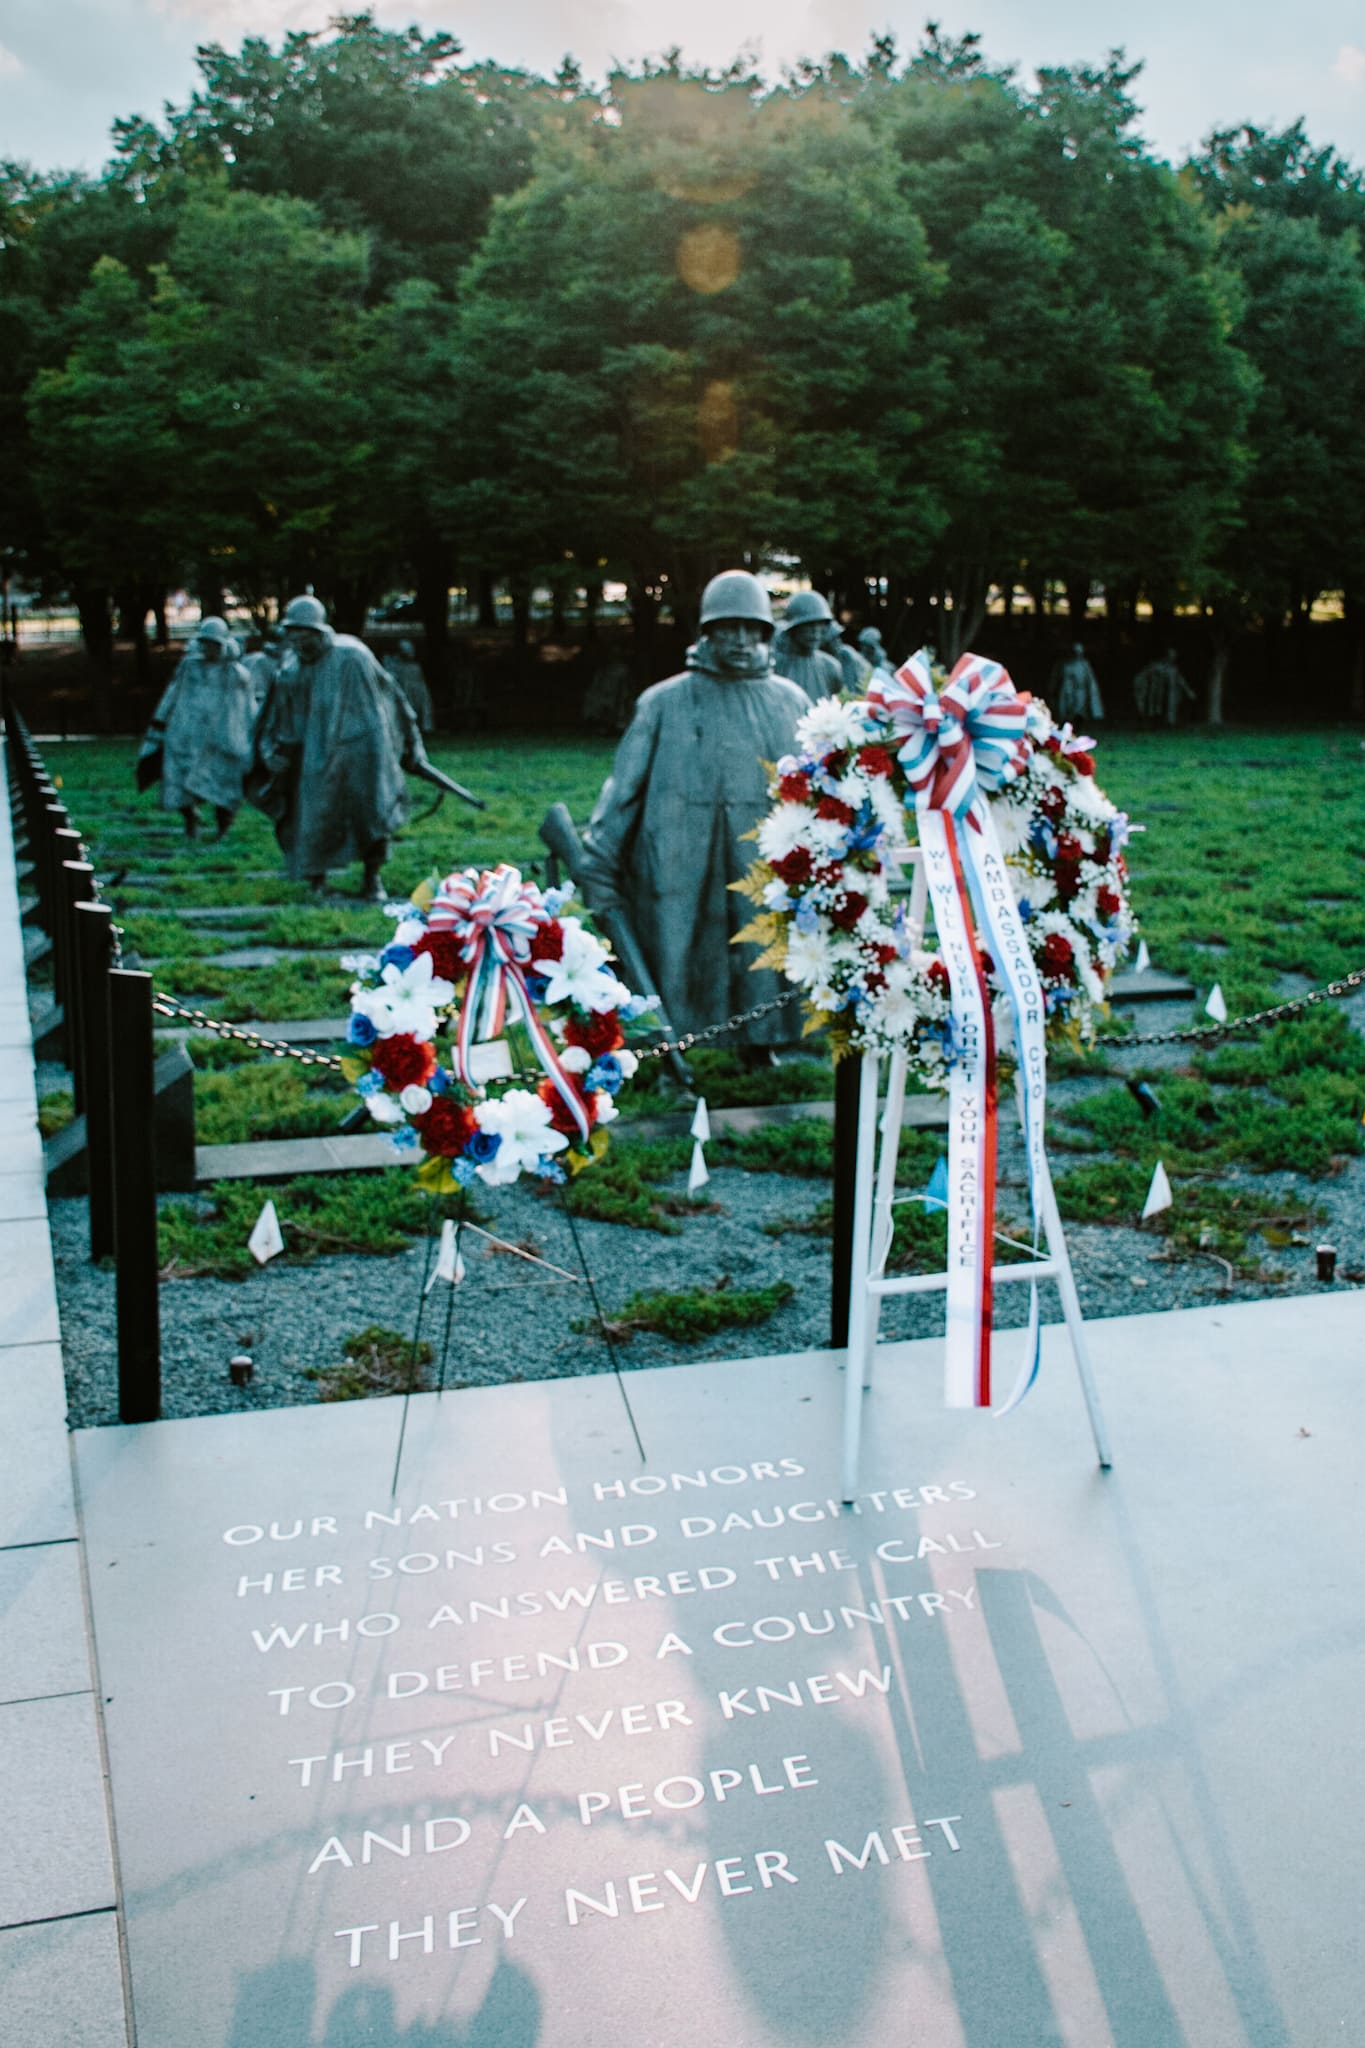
(536, 985)
(464, 1172)
(397, 956)
(361, 1030)
(605, 1074)
(370, 1084)
(482, 1147)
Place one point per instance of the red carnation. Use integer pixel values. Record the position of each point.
(548, 942)
(561, 1116)
(447, 1127)
(402, 1060)
(443, 948)
(793, 868)
(1056, 958)
(1108, 902)
(876, 760)
(833, 807)
(794, 787)
(847, 911)
(597, 1032)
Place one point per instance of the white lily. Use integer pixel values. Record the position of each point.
(522, 1121)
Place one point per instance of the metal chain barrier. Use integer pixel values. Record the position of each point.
(167, 1006)
(1254, 1019)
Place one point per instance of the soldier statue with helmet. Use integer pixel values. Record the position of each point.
(199, 740)
(690, 779)
(800, 651)
(333, 740)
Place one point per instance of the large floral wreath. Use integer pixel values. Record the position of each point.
(475, 956)
(841, 829)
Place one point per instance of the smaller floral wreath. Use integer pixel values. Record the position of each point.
(840, 829)
(474, 957)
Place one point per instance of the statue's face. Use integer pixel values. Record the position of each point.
(306, 642)
(734, 640)
(807, 637)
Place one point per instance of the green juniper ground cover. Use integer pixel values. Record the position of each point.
(1248, 872)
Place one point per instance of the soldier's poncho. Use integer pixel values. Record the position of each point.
(332, 742)
(690, 777)
(818, 674)
(204, 718)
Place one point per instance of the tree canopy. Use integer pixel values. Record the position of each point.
(363, 314)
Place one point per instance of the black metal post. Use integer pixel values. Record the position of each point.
(66, 845)
(78, 886)
(94, 957)
(847, 1089)
(138, 1300)
(51, 820)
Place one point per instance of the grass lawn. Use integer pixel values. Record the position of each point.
(1250, 868)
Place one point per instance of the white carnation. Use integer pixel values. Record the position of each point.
(784, 829)
(830, 726)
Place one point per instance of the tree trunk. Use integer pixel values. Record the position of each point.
(97, 631)
(644, 616)
(521, 622)
(1218, 669)
(433, 610)
(969, 588)
(1354, 609)
(488, 601)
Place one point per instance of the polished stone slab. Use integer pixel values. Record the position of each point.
(36, 1504)
(61, 1985)
(557, 1745)
(43, 1646)
(55, 1862)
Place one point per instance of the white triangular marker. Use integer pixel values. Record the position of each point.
(449, 1259)
(1216, 1007)
(265, 1239)
(1143, 963)
(701, 1131)
(1159, 1194)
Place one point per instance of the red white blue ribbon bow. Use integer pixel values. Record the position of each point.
(495, 916)
(960, 744)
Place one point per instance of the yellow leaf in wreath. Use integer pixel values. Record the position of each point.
(435, 1176)
(355, 1066)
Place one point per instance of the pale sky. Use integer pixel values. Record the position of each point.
(69, 67)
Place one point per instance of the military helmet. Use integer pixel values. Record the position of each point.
(213, 629)
(736, 595)
(805, 606)
(305, 611)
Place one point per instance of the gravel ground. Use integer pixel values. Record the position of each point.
(511, 1321)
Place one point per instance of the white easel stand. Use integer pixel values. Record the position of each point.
(874, 1199)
